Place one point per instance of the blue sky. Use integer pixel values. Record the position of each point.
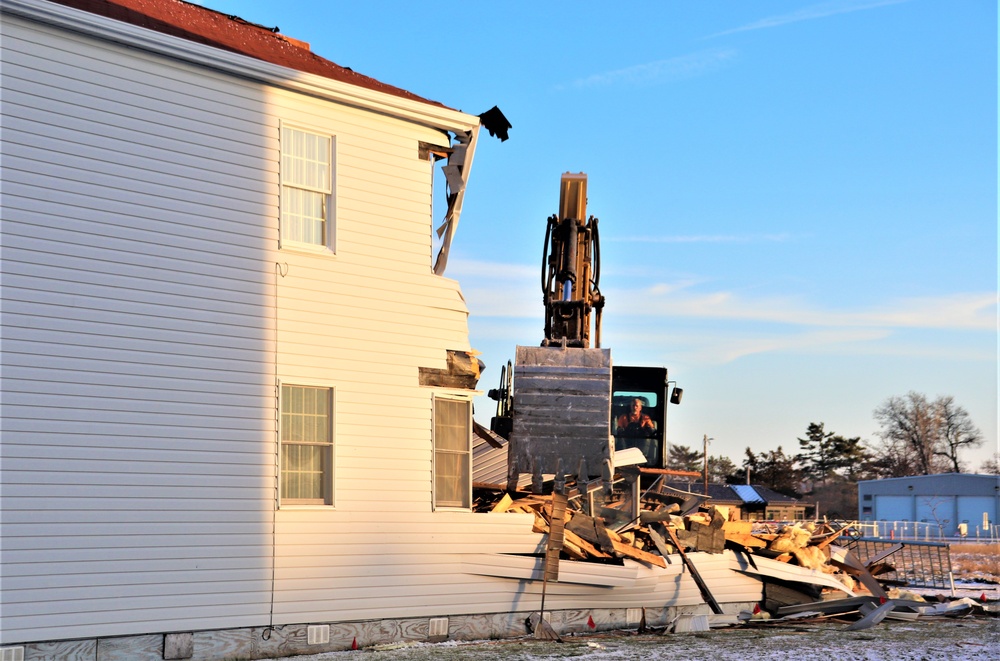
(797, 200)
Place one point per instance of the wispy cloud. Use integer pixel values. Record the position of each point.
(497, 289)
(810, 13)
(957, 311)
(658, 72)
(703, 238)
(730, 349)
(459, 268)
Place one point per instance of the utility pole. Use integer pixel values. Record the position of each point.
(704, 451)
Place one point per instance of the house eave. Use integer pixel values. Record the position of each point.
(239, 65)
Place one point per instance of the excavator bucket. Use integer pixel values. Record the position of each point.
(562, 406)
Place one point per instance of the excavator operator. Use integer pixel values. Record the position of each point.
(635, 422)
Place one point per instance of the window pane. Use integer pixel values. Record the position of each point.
(302, 472)
(451, 425)
(452, 453)
(451, 479)
(306, 444)
(306, 185)
(303, 215)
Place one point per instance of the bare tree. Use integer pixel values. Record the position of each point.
(921, 437)
(909, 435)
(991, 466)
(955, 430)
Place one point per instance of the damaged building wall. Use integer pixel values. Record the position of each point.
(162, 513)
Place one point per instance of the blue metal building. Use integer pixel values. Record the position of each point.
(957, 504)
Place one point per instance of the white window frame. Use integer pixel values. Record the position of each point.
(329, 242)
(468, 453)
(329, 499)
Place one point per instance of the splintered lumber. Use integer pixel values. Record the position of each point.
(571, 549)
(746, 540)
(630, 551)
(824, 542)
(504, 503)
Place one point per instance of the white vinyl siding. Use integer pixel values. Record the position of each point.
(306, 188)
(139, 213)
(452, 453)
(306, 445)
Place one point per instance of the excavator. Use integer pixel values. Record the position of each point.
(565, 410)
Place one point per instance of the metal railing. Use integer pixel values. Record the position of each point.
(922, 531)
(916, 564)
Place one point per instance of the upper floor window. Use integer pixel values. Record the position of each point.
(306, 445)
(452, 452)
(306, 188)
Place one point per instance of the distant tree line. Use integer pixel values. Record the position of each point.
(917, 436)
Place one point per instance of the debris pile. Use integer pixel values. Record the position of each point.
(663, 522)
(648, 535)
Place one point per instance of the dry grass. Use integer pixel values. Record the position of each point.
(976, 562)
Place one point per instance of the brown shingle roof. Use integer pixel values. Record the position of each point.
(231, 33)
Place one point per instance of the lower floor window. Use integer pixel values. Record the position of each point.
(306, 445)
(452, 452)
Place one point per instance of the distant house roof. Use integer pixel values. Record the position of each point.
(748, 494)
(231, 33)
(719, 493)
(772, 497)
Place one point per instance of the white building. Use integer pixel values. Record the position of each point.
(236, 387)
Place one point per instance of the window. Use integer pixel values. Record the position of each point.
(452, 452)
(306, 445)
(306, 188)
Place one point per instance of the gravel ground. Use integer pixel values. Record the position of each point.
(925, 640)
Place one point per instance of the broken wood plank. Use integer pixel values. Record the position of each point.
(503, 504)
(571, 549)
(630, 551)
(746, 540)
(826, 541)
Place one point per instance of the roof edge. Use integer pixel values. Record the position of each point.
(245, 66)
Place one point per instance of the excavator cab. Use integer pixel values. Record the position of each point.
(639, 398)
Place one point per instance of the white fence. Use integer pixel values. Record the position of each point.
(920, 531)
